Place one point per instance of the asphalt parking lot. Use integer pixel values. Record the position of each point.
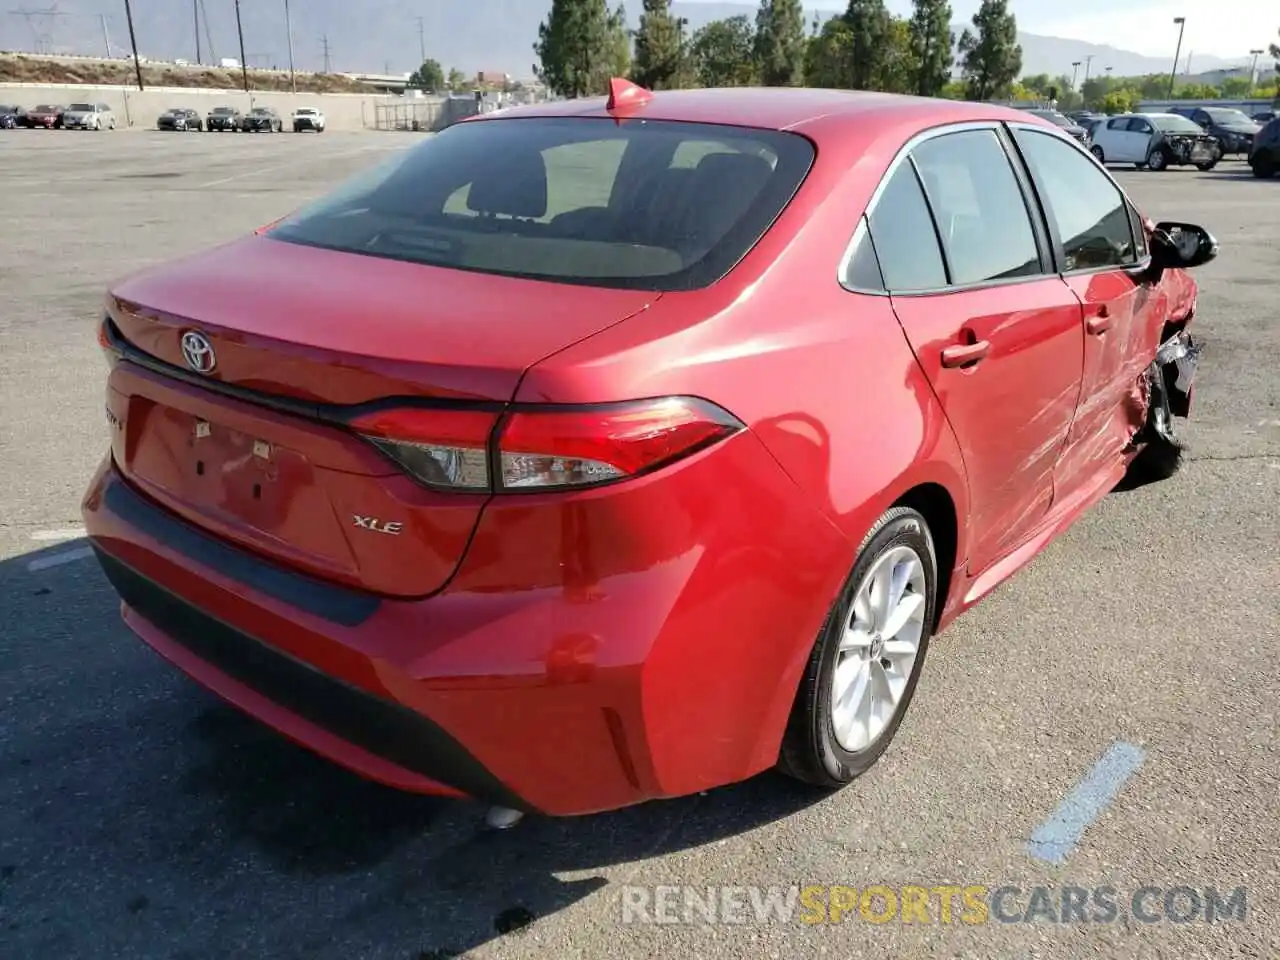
(142, 819)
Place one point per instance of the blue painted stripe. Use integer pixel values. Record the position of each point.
(1054, 839)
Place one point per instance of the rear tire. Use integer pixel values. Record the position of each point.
(1097, 152)
(1264, 168)
(812, 751)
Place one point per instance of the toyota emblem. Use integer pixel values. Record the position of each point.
(198, 352)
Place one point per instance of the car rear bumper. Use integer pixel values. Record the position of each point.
(566, 684)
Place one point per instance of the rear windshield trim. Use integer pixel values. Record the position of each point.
(793, 153)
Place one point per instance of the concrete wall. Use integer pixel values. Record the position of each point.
(139, 109)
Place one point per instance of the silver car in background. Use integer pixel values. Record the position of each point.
(89, 116)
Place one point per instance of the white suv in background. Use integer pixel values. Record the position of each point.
(308, 118)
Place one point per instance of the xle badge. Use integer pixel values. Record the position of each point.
(392, 528)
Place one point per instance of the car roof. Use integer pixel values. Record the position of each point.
(785, 108)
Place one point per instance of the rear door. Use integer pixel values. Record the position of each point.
(1099, 242)
(1139, 138)
(997, 333)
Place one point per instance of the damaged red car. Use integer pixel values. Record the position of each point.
(621, 448)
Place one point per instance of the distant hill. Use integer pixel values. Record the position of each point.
(383, 35)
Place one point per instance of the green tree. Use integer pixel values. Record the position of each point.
(955, 90)
(1120, 101)
(659, 47)
(580, 45)
(828, 58)
(429, 76)
(618, 46)
(990, 58)
(899, 66)
(869, 22)
(780, 43)
(722, 53)
(1235, 87)
(932, 45)
(457, 80)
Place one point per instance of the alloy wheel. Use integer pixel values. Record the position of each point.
(878, 649)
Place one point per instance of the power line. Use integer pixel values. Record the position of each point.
(44, 41)
(208, 36)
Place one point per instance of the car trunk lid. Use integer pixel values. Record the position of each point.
(254, 449)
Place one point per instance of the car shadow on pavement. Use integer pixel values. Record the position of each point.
(131, 792)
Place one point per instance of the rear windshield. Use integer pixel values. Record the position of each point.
(636, 204)
(223, 110)
(1220, 115)
(1053, 116)
(1172, 123)
(80, 108)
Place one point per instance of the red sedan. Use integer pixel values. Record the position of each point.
(615, 449)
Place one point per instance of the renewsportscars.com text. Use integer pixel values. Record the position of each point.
(971, 904)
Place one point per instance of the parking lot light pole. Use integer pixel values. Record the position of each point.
(1177, 53)
(1253, 70)
(1075, 72)
(133, 41)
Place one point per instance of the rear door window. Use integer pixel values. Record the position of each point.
(902, 231)
(978, 206)
(642, 204)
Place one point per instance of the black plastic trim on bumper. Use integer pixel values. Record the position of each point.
(337, 604)
(380, 726)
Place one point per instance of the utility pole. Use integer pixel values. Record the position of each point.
(1088, 62)
(288, 25)
(106, 37)
(1253, 70)
(324, 41)
(133, 42)
(244, 63)
(1173, 75)
(195, 19)
(422, 41)
(1075, 71)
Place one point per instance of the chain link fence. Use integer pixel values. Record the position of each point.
(424, 114)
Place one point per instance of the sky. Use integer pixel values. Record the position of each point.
(1224, 28)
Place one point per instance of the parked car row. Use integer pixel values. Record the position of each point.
(48, 116)
(231, 120)
(100, 116)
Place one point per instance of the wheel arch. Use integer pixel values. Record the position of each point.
(933, 502)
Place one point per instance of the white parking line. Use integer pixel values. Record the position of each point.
(56, 536)
(58, 559)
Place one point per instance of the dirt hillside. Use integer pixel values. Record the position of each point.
(24, 68)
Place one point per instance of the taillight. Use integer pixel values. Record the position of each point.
(447, 449)
(111, 351)
(545, 447)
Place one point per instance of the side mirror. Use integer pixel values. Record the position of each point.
(1182, 245)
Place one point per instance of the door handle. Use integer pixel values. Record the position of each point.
(1100, 322)
(965, 354)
